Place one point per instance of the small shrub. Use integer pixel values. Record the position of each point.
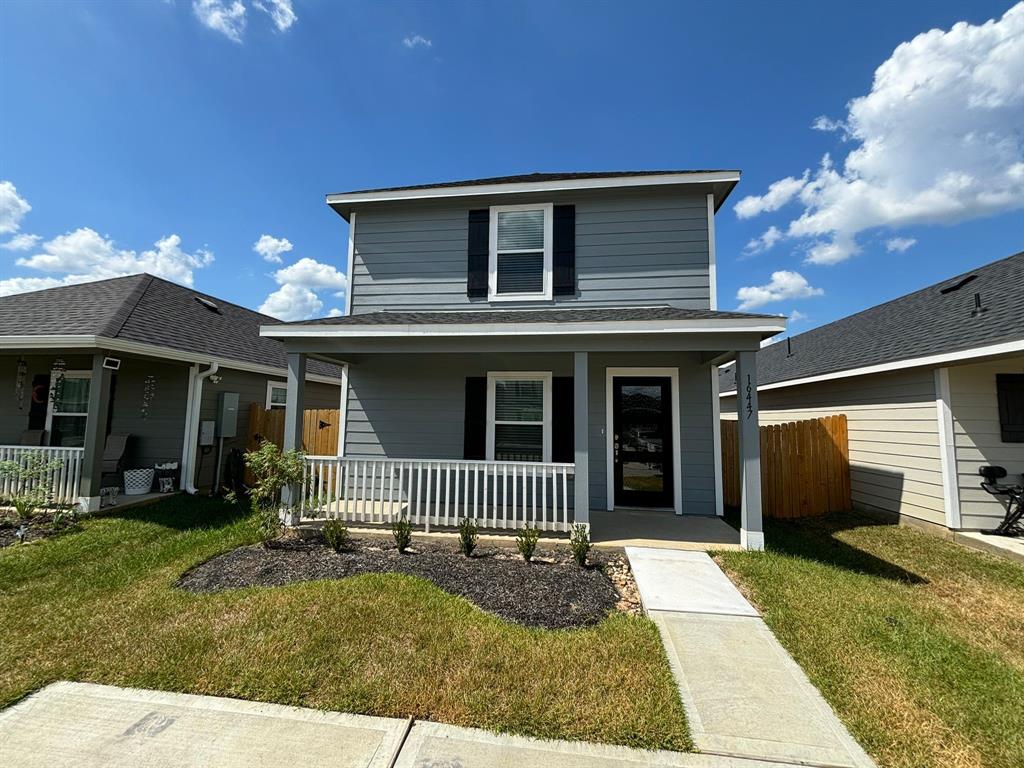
(402, 531)
(526, 542)
(266, 523)
(25, 505)
(468, 535)
(579, 542)
(63, 517)
(336, 535)
(272, 469)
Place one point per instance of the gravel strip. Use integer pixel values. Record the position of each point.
(551, 593)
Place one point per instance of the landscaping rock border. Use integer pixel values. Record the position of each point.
(551, 593)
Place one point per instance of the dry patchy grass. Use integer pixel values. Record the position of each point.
(99, 606)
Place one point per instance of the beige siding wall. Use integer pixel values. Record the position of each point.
(977, 438)
(894, 438)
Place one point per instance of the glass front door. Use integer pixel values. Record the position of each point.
(642, 447)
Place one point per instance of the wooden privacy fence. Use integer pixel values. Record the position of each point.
(805, 467)
(320, 429)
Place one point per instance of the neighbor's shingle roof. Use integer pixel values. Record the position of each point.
(515, 316)
(926, 322)
(149, 310)
(526, 178)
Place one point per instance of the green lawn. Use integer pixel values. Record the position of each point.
(98, 605)
(917, 642)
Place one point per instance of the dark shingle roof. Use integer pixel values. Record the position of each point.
(149, 310)
(595, 315)
(526, 178)
(926, 322)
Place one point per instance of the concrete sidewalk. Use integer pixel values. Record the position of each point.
(94, 726)
(744, 695)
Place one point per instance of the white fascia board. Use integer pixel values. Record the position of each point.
(150, 350)
(515, 188)
(1006, 348)
(765, 326)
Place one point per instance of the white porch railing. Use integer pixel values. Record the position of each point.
(497, 494)
(61, 480)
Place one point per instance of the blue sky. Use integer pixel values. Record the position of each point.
(147, 120)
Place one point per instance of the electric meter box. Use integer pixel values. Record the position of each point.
(206, 429)
(227, 414)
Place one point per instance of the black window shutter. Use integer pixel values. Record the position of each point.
(479, 242)
(562, 432)
(564, 251)
(1010, 393)
(474, 441)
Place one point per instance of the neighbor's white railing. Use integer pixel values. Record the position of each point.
(61, 479)
(497, 494)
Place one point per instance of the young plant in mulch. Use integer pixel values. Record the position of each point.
(266, 522)
(526, 542)
(468, 535)
(336, 535)
(402, 531)
(579, 543)
(31, 474)
(272, 470)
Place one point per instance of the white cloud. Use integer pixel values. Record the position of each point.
(899, 244)
(796, 316)
(784, 285)
(417, 41)
(22, 242)
(335, 312)
(764, 241)
(778, 194)
(938, 141)
(301, 282)
(280, 11)
(224, 16)
(828, 125)
(13, 208)
(271, 248)
(84, 255)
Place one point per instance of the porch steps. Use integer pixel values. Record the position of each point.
(744, 695)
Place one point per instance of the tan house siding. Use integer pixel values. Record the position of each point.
(894, 437)
(977, 439)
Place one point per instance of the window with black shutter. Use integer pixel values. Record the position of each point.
(1010, 393)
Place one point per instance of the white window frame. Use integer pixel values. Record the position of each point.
(493, 377)
(50, 413)
(271, 386)
(492, 257)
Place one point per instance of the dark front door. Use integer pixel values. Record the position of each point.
(642, 441)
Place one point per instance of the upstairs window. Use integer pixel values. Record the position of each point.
(519, 265)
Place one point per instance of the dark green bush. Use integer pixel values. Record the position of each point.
(402, 531)
(526, 542)
(579, 542)
(336, 535)
(468, 535)
(266, 523)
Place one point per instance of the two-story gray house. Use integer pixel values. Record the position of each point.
(522, 350)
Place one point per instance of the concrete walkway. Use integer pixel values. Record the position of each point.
(94, 726)
(743, 693)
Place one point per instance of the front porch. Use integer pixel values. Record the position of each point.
(550, 427)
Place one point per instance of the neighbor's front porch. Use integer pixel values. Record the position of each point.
(514, 429)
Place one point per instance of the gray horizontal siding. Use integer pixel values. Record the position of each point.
(631, 248)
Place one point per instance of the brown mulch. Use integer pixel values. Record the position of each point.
(552, 592)
(39, 526)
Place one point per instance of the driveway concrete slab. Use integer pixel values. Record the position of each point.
(745, 696)
(673, 580)
(87, 726)
(432, 745)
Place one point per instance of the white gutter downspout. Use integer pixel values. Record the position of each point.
(192, 410)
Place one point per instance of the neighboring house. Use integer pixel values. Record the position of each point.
(524, 349)
(932, 385)
(136, 356)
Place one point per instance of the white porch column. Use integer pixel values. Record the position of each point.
(293, 412)
(751, 530)
(581, 421)
(95, 435)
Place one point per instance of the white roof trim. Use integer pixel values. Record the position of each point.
(85, 341)
(946, 358)
(724, 325)
(512, 188)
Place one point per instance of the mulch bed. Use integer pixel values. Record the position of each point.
(552, 592)
(39, 526)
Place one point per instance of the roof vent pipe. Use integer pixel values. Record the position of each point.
(978, 309)
(789, 346)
